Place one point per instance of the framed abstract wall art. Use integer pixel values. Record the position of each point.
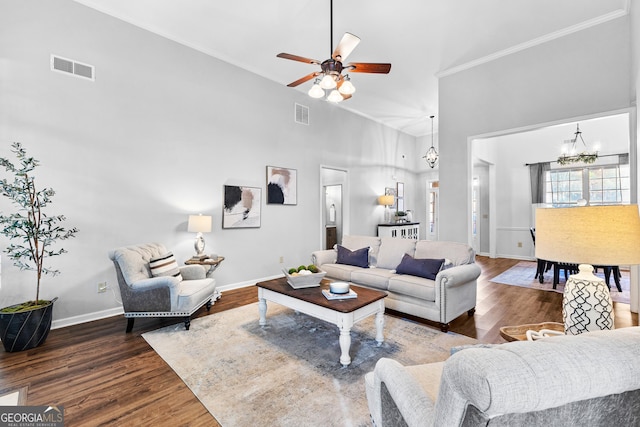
(282, 186)
(241, 207)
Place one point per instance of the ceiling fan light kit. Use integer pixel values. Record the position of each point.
(330, 77)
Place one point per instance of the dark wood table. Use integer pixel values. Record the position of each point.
(343, 313)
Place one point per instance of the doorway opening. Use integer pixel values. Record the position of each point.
(334, 205)
(433, 195)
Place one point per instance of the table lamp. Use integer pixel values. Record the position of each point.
(590, 235)
(386, 200)
(199, 224)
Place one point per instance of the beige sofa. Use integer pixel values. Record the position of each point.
(450, 294)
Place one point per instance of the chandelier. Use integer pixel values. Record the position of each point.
(432, 155)
(573, 156)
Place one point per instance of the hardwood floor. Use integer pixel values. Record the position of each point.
(104, 377)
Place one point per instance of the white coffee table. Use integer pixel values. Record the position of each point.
(342, 313)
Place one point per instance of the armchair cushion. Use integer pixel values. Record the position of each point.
(357, 258)
(165, 265)
(193, 272)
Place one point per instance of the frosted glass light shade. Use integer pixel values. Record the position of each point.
(328, 82)
(596, 235)
(335, 96)
(347, 88)
(316, 91)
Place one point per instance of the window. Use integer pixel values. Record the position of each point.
(598, 185)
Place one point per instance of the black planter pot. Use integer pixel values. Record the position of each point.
(26, 329)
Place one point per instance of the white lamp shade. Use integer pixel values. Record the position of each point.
(199, 224)
(596, 235)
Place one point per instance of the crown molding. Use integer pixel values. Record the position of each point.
(538, 41)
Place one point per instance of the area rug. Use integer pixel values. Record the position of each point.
(524, 272)
(288, 373)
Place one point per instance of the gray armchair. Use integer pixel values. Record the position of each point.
(144, 295)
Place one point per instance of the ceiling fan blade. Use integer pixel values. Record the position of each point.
(297, 58)
(369, 67)
(345, 47)
(304, 79)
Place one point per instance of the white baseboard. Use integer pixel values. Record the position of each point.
(84, 318)
(90, 317)
(511, 256)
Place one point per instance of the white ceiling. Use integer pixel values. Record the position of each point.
(422, 39)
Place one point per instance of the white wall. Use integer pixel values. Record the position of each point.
(155, 138)
(580, 74)
(635, 92)
(510, 153)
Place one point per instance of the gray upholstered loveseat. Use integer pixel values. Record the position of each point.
(451, 293)
(591, 379)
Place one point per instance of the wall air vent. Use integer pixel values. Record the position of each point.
(74, 68)
(302, 114)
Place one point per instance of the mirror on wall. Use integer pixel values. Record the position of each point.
(400, 197)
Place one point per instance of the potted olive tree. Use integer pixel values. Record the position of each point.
(33, 234)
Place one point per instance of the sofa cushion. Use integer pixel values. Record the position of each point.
(392, 250)
(427, 267)
(458, 253)
(357, 258)
(165, 265)
(357, 242)
(372, 277)
(339, 271)
(416, 287)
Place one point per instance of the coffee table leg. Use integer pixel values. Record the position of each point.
(345, 345)
(379, 327)
(262, 309)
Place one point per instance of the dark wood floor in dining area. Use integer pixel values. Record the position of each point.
(103, 376)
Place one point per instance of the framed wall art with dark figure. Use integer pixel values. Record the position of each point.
(282, 186)
(241, 207)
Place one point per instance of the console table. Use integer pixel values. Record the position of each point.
(403, 230)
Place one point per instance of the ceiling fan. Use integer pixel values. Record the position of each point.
(330, 76)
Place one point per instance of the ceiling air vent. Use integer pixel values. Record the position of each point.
(302, 114)
(74, 68)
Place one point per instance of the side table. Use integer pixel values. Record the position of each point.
(209, 263)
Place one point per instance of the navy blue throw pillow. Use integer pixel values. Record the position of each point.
(358, 258)
(427, 268)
